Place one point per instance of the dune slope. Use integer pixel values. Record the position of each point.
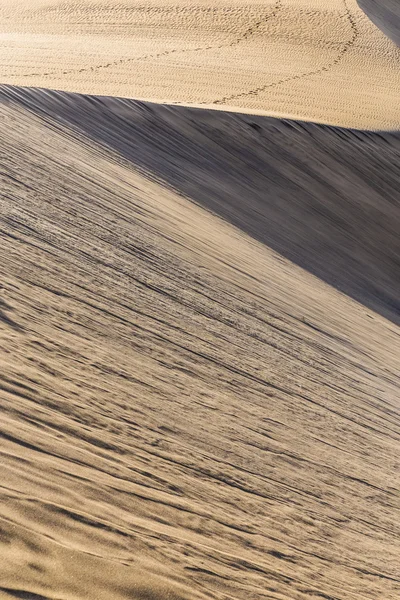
(325, 198)
(185, 413)
(320, 60)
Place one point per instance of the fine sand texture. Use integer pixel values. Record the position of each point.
(318, 60)
(385, 14)
(186, 414)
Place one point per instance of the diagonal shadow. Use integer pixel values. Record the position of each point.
(385, 14)
(326, 198)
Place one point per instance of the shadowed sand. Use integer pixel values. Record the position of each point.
(321, 60)
(185, 413)
(385, 14)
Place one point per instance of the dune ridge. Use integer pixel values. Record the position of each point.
(318, 60)
(324, 197)
(185, 413)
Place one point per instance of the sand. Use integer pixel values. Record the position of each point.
(318, 60)
(186, 413)
(385, 14)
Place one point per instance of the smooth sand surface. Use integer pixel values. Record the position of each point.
(185, 413)
(318, 60)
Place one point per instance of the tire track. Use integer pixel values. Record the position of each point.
(346, 47)
(250, 31)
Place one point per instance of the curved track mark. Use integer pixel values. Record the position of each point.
(252, 30)
(243, 37)
(346, 46)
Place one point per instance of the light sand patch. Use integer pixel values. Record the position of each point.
(319, 60)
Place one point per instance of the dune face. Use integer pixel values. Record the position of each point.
(385, 14)
(319, 60)
(324, 198)
(185, 413)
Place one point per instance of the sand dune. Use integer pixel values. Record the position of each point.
(185, 413)
(319, 60)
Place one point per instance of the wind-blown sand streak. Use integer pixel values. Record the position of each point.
(184, 412)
